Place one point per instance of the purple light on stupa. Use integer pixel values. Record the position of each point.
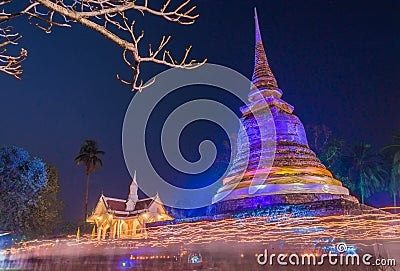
(293, 168)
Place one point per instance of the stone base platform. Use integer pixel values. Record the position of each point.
(277, 207)
(307, 200)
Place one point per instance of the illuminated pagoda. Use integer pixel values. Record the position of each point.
(291, 173)
(126, 218)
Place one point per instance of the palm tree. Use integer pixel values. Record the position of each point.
(393, 152)
(394, 185)
(366, 169)
(89, 156)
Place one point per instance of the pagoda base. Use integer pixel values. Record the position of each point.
(268, 201)
(254, 189)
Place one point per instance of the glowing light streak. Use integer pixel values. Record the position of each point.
(306, 234)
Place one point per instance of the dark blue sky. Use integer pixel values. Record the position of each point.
(337, 62)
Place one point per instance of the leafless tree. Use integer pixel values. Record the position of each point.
(110, 18)
(9, 64)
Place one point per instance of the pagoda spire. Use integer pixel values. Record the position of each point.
(133, 196)
(263, 79)
(133, 189)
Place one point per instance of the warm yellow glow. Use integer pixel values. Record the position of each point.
(293, 231)
(277, 173)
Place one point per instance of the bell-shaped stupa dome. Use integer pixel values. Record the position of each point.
(292, 167)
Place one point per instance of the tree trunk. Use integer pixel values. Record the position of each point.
(86, 197)
(362, 189)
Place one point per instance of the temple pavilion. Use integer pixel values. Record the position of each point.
(126, 218)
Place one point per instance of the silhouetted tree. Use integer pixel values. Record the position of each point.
(392, 151)
(22, 177)
(330, 151)
(45, 216)
(365, 169)
(318, 137)
(89, 156)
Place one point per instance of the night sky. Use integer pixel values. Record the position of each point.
(337, 62)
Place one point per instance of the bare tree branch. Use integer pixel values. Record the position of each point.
(10, 64)
(3, 2)
(110, 19)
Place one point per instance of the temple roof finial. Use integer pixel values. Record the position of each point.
(134, 178)
(263, 79)
(133, 189)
